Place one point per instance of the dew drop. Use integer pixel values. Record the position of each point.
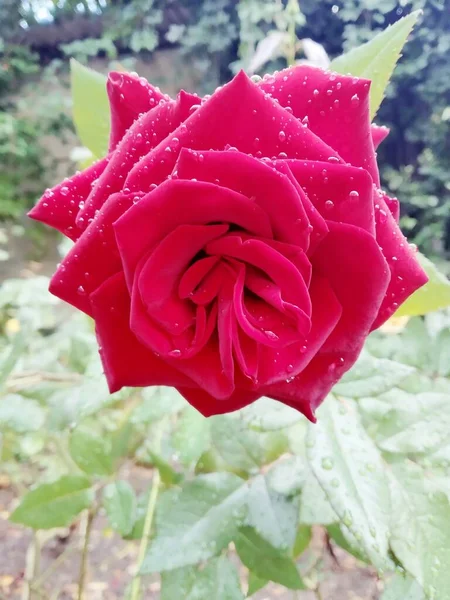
(354, 195)
(282, 136)
(175, 353)
(355, 100)
(64, 190)
(271, 335)
(327, 463)
(329, 204)
(81, 290)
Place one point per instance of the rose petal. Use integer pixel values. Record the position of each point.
(59, 206)
(275, 265)
(406, 273)
(208, 405)
(161, 274)
(317, 223)
(349, 258)
(129, 96)
(243, 117)
(145, 133)
(337, 108)
(254, 179)
(379, 134)
(93, 259)
(125, 360)
(340, 193)
(178, 202)
(278, 367)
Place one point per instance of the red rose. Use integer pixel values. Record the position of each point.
(237, 246)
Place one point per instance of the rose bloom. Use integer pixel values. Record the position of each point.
(234, 246)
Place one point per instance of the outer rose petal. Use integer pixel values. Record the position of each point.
(129, 96)
(243, 117)
(392, 203)
(406, 273)
(208, 405)
(93, 259)
(58, 207)
(125, 360)
(337, 108)
(379, 134)
(143, 135)
(349, 258)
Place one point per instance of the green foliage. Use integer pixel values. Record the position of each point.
(376, 59)
(90, 108)
(265, 561)
(119, 501)
(21, 167)
(54, 504)
(432, 296)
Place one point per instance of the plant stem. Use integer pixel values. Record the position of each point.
(85, 553)
(32, 567)
(136, 583)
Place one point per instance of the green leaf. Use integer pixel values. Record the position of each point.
(69, 406)
(219, 580)
(191, 437)
(402, 588)
(268, 415)
(336, 534)
(157, 404)
(236, 444)
(302, 540)
(119, 501)
(420, 528)
(274, 516)
(139, 517)
(288, 476)
(91, 452)
(196, 521)
(255, 584)
(54, 504)
(265, 561)
(371, 376)
(415, 424)
(169, 475)
(315, 508)
(20, 414)
(350, 470)
(90, 108)
(434, 295)
(376, 59)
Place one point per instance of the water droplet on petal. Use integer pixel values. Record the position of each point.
(282, 136)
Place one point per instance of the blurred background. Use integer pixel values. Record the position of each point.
(49, 369)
